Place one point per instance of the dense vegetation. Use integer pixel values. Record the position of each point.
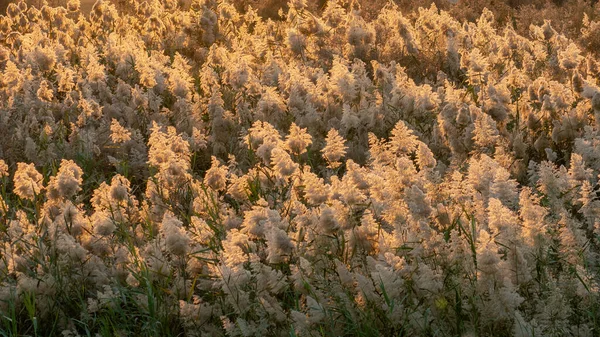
(200, 170)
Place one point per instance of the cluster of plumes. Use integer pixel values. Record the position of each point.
(322, 173)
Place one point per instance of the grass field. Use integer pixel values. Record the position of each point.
(333, 168)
